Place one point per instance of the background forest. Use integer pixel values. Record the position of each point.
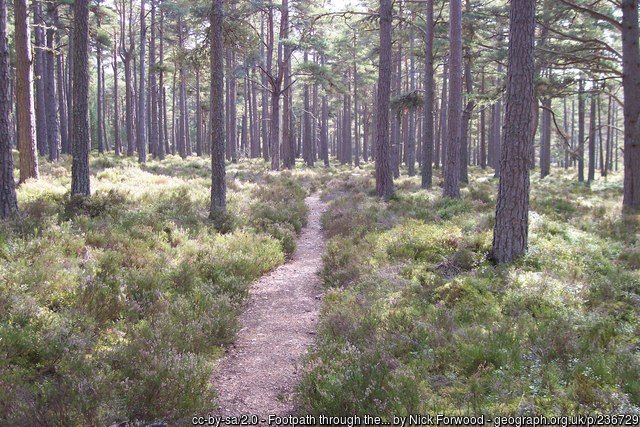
(480, 162)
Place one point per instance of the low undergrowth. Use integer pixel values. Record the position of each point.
(115, 308)
(416, 319)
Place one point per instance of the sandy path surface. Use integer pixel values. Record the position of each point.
(258, 373)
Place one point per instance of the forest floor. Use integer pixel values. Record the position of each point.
(260, 370)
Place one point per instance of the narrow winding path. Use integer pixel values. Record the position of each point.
(258, 373)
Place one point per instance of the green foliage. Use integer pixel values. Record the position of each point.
(419, 321)
(114, 308)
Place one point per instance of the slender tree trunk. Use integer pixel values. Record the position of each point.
(142, 119)
(218, 184)
(452, 168)
(116, 102)
(39, 78)
(566, 131)
(355, 112)
(607, 163)
(62, 94)
(24, 93)
(466, 118)
(591, 173)
(510, 234)
(580, 131)
(497, 129)
(410, 149)
(288, 144)
(545, 139)
(384, 173)
(199, 148)
(441, 147)
(81, 136)
(428, 140)
(99, 94)
(266, 58)
(162, 101)
(53, 125)
(233, 119)
(600, 138)
(255, 139)
(8, 200)
(153, 86)
(483, 141)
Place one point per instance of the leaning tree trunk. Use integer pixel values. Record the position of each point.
(427, 143)
(452, 167)
(8, 200)
(510, 234)
(24, 93)
(81, 137)
(384, 173)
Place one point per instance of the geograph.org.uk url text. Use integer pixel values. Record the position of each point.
(421, 420)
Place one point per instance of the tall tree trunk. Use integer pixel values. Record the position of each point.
(591, 173)
(266, 58)
(142, 117)
(607, 162)
(355, 111)
(276, 89)
(126, 55)
(181, 141)
(466, 116)
(631, 88)
(153, 86)
(8, 200)
(116, 101)
(99, 93)
(441, 145)
(24, 93)
(428, 140)
(410, 149)
(233, 118)
(255, 126)
(162, 101)
(39, 78)
(384, 173)
(510, 234)
(306, 137)
(288, 144)
(566, 131)
(497, 128)
(452, 168)
(483, 141)
(62, 104)
(53, 125)
(199, 147)
(81, 136)
(218, 184)
(69, 90)
(545, 139)
(580, 131)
